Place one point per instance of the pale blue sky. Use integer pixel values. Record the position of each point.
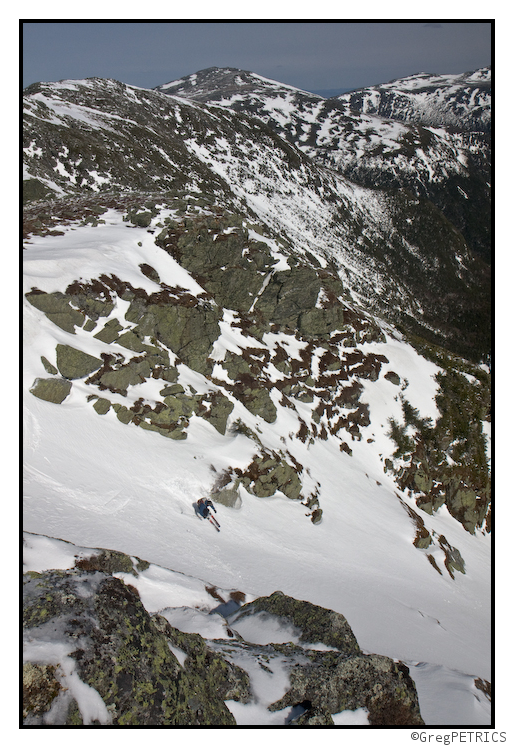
(311, 55)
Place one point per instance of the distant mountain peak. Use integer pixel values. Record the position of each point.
(213, 83)
(459, 100)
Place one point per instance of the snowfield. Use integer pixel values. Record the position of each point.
(94, 482)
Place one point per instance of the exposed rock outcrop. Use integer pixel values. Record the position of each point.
(332, 684)
(94, 655)
(116, 649)
(53, 389)
(342, 679)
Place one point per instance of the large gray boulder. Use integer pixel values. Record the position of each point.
(57, 308)
(74, 363)
(52, 389)
(118, 650)
(315, 625)
(336, 683)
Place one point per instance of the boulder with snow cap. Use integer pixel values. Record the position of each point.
(314, 623)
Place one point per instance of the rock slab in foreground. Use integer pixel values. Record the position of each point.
(337, 680)
(94, 655)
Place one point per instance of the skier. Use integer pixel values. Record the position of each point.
(204, 506)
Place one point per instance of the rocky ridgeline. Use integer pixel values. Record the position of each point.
(99, 632)
(302, 305)
(411, 240)
(380, 137)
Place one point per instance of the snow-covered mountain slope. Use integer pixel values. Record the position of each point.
(208, 311)
(378, 137)
(100, 470)
(398, 255)
(461, 101)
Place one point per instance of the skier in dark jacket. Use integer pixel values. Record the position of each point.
(203, 507)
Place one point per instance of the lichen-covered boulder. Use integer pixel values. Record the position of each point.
(88, 303)
(228, 496)
(216, 411)
(422, 481)
(219, 253)
(132, 341)
(235, 365)
(121, 378)
(216, 674)
(312, 717)
(170, 430)
(316, 323)
(392, 377)
(189, 331)
(123, 414)
(257, 400)
(75, 364)
(334, 684)
(289, 294)
(314, 624)
(57, 308)
(109, 332)
(316, 516)
(107, 561)
(94, 655)
(40, 688)
(102, 406)
(141, 219)
(178, 406)
(53, 389)
(268, 473)
(50, 368)
(118, 651)
(248, 388)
